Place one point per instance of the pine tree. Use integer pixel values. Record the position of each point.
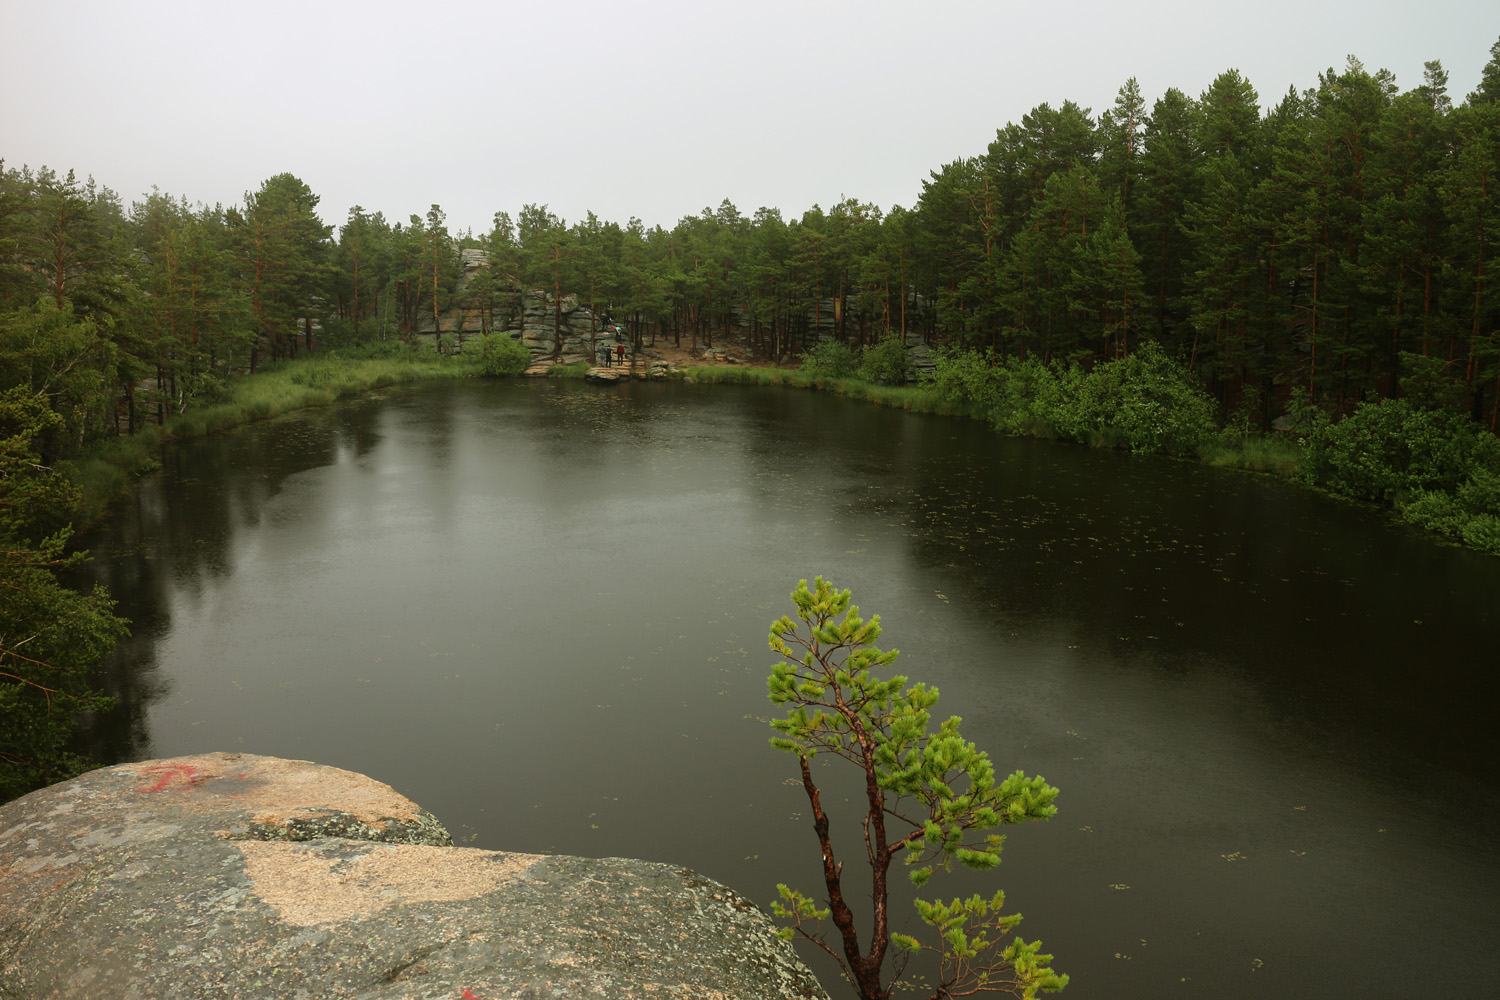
(954, 243)
(768, 249)
(1122, 133)
(362, 266)
(1055, 290)
(1468, 189)
(50, 637)
(1223, 273)
(1488, 91)
(1402, 227)
(282, 248)
(929, 797)
(440, 268)
(1230, 116)
(1168, 183)
(194, 312)
(545, 253)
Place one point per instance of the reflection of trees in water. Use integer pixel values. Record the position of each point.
(1158, 564)
(173, 538)
(130, 676)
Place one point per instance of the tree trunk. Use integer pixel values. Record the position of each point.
(356, 299)
(437, 320)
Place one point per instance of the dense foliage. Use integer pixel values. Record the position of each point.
(931, 798)
(501, 354)
(50, 636)
(1438, 469)
(1145, 402)
(885, 363)
(830, 359)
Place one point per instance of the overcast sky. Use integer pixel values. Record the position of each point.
(652, 108)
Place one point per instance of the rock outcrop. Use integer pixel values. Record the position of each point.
(237, 876)
(530, 315)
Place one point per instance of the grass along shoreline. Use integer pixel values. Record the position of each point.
(103, 473)
(916, 398)
(1276, 455)
(1425, 468)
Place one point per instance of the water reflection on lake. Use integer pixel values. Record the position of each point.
(540, 608)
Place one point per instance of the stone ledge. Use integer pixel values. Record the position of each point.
(237, 876)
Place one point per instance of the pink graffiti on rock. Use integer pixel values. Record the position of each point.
(175, 776)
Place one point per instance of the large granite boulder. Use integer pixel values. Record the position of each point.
(236, 876)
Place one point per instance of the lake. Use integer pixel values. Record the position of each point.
(539, 608)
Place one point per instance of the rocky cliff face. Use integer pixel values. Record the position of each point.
(529, 315)
(532, 316)
(236, 876)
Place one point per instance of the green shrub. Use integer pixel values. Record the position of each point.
(1387, 452)
(1074, 402)
(830, 359)
(499, 354)
(1161, 405)
(968, 377)
(1146, 402)
(1440, 470)
(204, 387)
(1470, 515)
(885, 363)
(1303, 417)
(1019, 397)
(1482, 532)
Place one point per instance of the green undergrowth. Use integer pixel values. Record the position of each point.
(575, 370)
(1435, 468)
(104, 471)
(1158, 413)
(916, 399)
(1275, 454)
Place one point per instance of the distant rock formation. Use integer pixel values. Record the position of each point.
(532, 316)
(237, 876)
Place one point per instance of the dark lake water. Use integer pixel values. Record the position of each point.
(540, 610)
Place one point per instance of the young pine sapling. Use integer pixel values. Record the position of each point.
(929, 796)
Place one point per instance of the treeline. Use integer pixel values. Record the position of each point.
(1335, 248)
(1333, 251)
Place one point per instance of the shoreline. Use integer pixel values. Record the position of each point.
(106, 472)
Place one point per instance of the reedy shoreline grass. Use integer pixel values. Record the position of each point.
(1276, 455)
(916, 399)
(574, 370)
